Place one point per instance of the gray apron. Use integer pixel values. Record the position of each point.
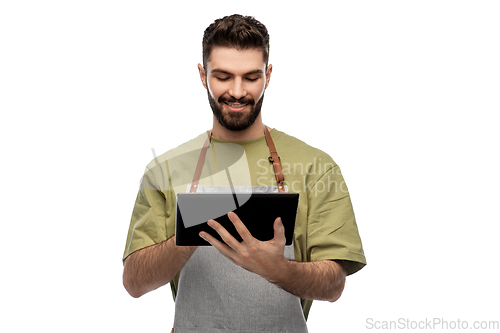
(215, 295)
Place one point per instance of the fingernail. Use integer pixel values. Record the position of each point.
(202, 235)
(280, 223)
(211, 223)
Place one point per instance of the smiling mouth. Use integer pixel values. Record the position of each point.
(235, 107)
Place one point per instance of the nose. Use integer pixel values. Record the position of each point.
(237, 88)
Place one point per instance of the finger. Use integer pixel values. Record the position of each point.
(279, 231)
(224, 234)
(223, 248)
(240, 227)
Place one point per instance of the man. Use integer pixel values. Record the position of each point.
(251, 285)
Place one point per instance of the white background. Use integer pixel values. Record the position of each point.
(404, 95)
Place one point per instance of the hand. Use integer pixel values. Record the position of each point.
(263, 258)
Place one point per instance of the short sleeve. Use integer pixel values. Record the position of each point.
(332, 233)
(148, 221)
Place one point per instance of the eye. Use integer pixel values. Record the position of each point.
(252, 79)
(222, 78)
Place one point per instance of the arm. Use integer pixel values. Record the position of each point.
(321, 280)
(154, 266)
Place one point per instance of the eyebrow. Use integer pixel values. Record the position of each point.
(221, 71)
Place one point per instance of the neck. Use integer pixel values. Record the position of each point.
(255, 131)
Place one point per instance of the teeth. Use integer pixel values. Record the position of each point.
(236, 105)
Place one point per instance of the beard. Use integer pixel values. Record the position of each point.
(235, 120)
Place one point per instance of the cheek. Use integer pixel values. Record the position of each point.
(214, 89)
(259, 91)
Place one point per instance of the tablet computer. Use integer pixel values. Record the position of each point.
(257, 211)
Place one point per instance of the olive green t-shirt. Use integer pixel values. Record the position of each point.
(325, 226)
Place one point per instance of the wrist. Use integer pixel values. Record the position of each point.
(280, 272)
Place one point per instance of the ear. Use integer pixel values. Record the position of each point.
(203, 75)
(268, 74)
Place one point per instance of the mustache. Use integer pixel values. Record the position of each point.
(231, 99)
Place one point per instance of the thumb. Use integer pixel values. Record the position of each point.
(279, 230)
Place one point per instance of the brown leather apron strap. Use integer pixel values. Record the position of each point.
(274, 159)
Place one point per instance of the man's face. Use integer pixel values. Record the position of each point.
(235, 81)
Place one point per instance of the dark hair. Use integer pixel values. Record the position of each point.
(236, 31)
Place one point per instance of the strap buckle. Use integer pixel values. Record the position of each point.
(271, 159)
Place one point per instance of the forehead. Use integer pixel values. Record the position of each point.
(236, 61)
